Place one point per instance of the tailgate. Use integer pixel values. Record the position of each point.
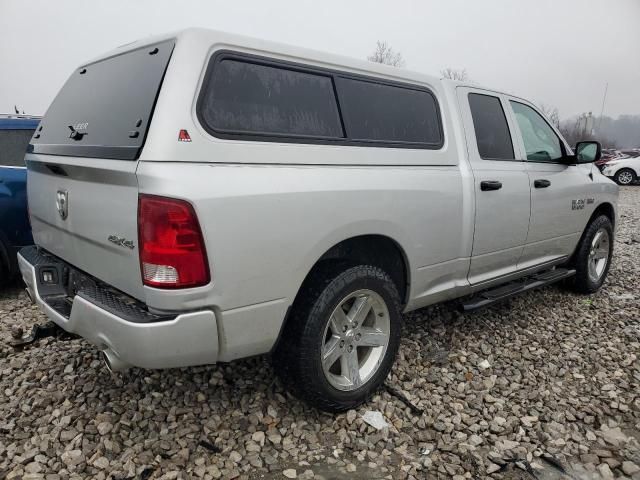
(87, 215)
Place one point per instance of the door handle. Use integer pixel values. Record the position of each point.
(541, 183)
(486, 185)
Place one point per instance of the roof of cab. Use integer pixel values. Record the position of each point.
(18, 122)
(295, 53)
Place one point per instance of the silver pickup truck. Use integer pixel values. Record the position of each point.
(203, 197)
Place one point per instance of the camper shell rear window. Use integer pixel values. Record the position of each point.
(105, 108)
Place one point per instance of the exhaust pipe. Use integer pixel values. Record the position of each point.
(112, 361)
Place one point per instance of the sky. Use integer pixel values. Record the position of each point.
(560, 53)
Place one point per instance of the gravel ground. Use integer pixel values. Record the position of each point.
(546, 383)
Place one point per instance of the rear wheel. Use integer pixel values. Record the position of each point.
(593, 257)
(342, 338)
(626, 176)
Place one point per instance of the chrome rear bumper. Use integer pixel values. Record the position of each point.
(135, 339)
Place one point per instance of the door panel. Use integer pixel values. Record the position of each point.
(556, 222)
(502, 219)
(503, 206)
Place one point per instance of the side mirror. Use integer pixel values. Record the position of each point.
(588, 152)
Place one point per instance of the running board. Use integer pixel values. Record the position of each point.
(508, 290)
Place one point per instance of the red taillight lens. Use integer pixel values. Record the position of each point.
(172, 253)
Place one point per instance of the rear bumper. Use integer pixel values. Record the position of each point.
(122, 329)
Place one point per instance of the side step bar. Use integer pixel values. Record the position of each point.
(508, 290)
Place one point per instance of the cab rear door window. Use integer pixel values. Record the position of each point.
(491, 128)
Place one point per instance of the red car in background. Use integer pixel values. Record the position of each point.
(609, 154)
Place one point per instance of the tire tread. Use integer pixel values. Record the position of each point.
(295, 359)
(581, 282)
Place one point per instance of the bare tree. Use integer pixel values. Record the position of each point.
(573, 133)
(623, 131)
(570, 132)
(453, 74)
(386, 55)
(552, 114)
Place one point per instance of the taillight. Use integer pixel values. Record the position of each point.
(172, 253)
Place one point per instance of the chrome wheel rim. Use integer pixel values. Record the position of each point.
(355, 340)
(599, 254)
(625, 178)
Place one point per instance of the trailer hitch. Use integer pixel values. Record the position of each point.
(44, 330)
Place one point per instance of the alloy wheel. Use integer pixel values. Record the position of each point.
(599, 254)
(355, 340)
(625, 178)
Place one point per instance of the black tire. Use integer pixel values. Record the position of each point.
(4, 274)
(628, 174)
(583, 282)
(297, 358)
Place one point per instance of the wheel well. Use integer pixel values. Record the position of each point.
(604, 209)
(377, 250)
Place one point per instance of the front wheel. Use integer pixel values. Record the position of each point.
(593, 256)
(626, 176)
(342, 338)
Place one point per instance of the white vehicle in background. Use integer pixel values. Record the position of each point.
(624, 171)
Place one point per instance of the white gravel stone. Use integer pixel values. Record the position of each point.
(72, 457)
(104, 428)
(235, 457)
(375, 419)
(101, 462)
(33, 467)
(605, 471)
(630, 468)
(351, 416)
(614, 436)
(258, 437)
(529, 421)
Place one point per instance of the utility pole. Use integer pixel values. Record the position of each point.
(604, 97)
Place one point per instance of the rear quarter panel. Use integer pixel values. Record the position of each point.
(266, 225)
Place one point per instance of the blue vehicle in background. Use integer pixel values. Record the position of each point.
(15, 232)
